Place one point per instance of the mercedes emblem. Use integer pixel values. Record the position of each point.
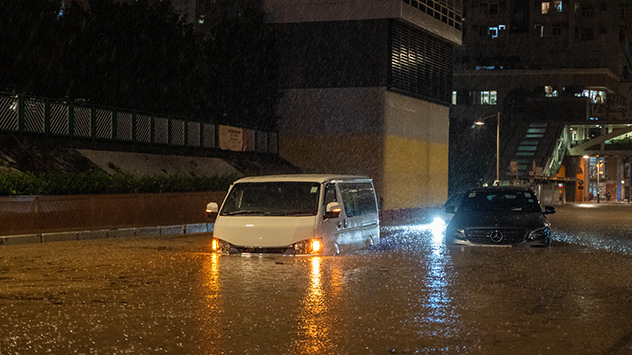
(496, 236)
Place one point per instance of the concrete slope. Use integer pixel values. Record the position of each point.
(153, 164)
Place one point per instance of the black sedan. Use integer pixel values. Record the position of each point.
(499, 216)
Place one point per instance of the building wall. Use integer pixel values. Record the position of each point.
(415, 152)
(367, 87)
(336, 130)
(586, 33)
(332, 54)
(399, 141)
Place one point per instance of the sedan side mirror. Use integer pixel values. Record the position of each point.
(211, 210)
(332, 210)
(549, 209)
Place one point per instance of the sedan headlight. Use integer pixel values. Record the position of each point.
(309, 246)
(542, 233)
(456, 234)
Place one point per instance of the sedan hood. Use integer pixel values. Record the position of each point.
(518, 220)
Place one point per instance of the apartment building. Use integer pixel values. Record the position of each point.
(557, 74)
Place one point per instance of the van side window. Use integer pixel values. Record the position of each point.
(358, 199)
(330, 195)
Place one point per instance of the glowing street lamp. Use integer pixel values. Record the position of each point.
(481, 122)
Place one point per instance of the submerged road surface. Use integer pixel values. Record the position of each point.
(411, 295)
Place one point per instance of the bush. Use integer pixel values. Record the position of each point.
(98, 182)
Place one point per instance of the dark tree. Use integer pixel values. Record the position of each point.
(140, 56)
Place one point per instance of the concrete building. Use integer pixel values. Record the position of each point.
(367, 89)
(558, 74)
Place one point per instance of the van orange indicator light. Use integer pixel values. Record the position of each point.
(316, 246)
(215, 245)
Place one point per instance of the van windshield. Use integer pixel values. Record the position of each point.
(272, 199)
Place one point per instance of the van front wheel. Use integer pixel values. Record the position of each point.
(335, 250)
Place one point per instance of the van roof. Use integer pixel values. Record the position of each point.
(303, 178)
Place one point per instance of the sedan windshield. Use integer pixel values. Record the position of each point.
(272, 199)
(499, 200)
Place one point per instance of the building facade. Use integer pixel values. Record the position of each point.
(556, 73)
(366, 90)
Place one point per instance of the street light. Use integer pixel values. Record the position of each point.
(481, 122)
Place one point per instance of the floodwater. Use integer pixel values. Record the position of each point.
(412, 295)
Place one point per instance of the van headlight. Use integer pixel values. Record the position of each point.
(220, 246)
(456, 234)
(542, 233)
(309, 246)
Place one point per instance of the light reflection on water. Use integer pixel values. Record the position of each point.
(210, 268)
(594, 241)
(313, 325)
(436, 308)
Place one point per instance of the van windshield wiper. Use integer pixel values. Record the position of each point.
(297, 213)
(234, 213)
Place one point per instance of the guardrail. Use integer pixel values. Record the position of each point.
(40, 116)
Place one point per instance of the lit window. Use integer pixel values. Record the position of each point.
(596, 96)
(545, 8)
(550, 91)
(493, 32)
(488, 97)
(453, 97)
(551, 7)
(201, 20)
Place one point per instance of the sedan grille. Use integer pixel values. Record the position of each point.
(495, 236)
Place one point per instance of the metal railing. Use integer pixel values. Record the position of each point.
(40, 116)
(445, 11)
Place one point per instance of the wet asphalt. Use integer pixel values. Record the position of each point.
(411, 295)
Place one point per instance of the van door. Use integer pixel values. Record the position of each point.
(329, 228)
(361, 223)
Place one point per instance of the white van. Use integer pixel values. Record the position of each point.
(296, 214)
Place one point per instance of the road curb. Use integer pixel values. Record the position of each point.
(153, 231)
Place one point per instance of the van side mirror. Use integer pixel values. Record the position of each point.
(549, 209)
(211, 210)
(332, 210)
(450, 209)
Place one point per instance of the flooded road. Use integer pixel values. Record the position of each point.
(411, 295)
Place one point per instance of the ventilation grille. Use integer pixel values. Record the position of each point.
(420, 65)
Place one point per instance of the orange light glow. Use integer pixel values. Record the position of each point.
(215, 245)
(316, 245)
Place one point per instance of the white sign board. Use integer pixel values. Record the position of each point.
(231, 138)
